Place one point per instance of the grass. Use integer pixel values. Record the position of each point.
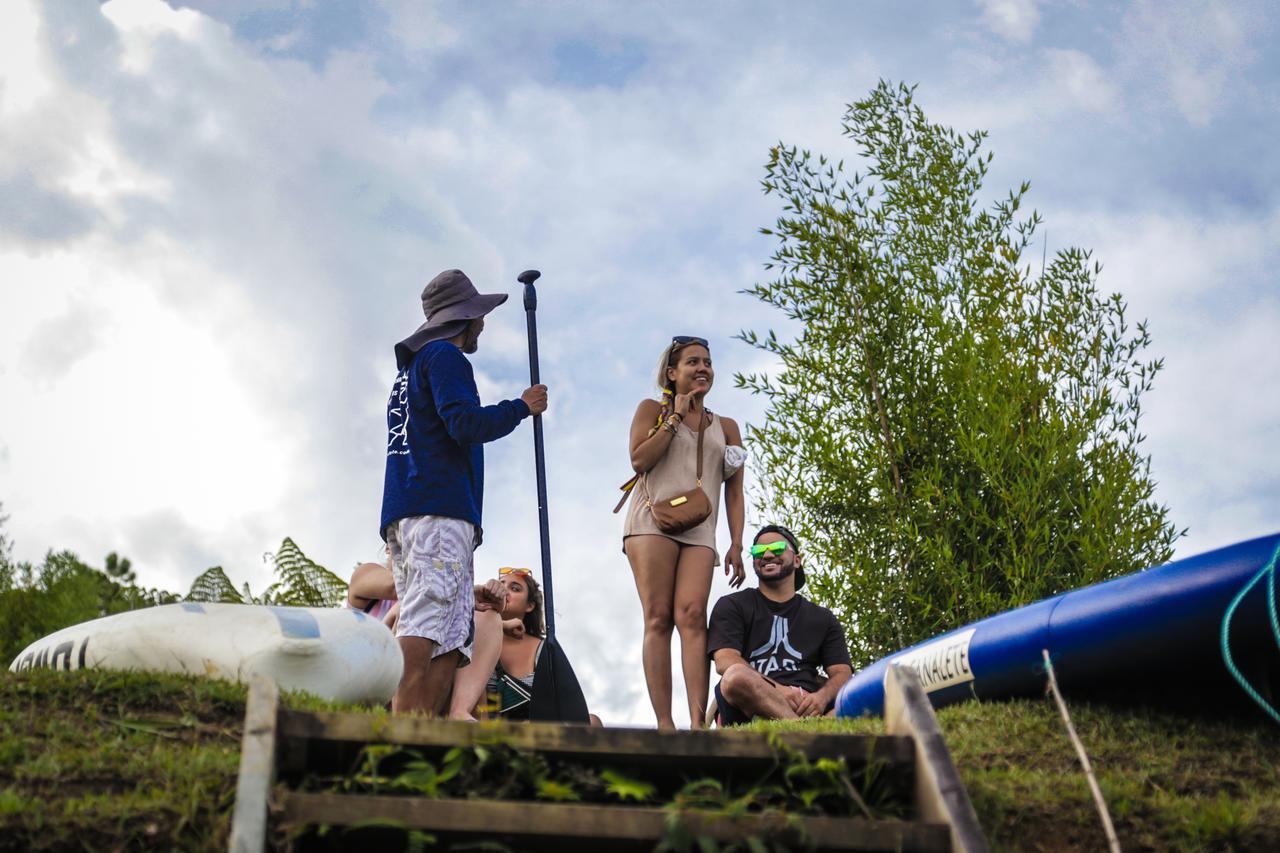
(1171, 782)
(99, 760)
(106, 760)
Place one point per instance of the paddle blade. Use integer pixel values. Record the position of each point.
(556, 694)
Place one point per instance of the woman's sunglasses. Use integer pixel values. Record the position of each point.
(686, 340)
(508, 570)
(769, 548)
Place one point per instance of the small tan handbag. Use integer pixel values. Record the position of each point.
(681, 512)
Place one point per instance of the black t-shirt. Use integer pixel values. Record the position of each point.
(787, 642)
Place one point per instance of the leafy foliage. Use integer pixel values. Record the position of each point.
(36, 600)
(949, 434)
(493, 769)
(302, 582)
(213, 585)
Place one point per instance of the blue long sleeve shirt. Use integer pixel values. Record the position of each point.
(436, 430)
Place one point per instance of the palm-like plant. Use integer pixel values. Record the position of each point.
(301, 582)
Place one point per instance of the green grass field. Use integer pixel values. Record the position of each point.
(104, 761)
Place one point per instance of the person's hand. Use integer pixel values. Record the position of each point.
(809, 704)
(535, 398)
(393, 616)
(792, 695)
(680, 405)
(513, 628)
(733, 564)
(491, 595)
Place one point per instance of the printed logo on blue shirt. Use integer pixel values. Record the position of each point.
(398, 416)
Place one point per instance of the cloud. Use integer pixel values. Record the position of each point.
(1197, 56)
(1081, 79)
(58, 343)
(32, 214)
(1205, 286)
(239, 204)
(1015, 20)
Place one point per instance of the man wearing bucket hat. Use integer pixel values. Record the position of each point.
(767, 643)
(434, 487)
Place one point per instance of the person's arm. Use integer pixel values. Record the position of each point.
(491, 595)
(726, 634)
(453, 387)
(735, 509)
(725, 658)
(837, 675)
(370, 582)
(647, 445)
(835, 660)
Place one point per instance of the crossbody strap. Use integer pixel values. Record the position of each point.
(702, 428)
(634, 481)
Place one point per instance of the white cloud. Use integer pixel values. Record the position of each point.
(1193, 55)
(1203, 285)
(1079, 77)
(239, 237)
(23, 79)
(1015, 20)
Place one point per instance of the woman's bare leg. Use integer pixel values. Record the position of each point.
(653, 563)
(693, 586)
(469, 682)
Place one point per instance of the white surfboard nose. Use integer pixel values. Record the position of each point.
(334, 653)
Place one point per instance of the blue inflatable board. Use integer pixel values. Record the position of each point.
(1157, 630)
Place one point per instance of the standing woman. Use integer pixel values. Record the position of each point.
(673, 570)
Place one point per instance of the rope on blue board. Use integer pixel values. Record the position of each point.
(1269, 572)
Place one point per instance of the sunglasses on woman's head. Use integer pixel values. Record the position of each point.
(508, 570)
(686, 340)
(769, 548)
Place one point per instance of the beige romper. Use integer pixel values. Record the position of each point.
(676, 472)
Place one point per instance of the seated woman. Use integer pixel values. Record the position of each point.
(522, 631)
(509, 631)
(523, 636)
(372, 590)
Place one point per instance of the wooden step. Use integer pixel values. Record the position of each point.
(558, 826)
(909, 763)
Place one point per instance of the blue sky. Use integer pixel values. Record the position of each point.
(215, 220)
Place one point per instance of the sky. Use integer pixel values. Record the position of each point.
(216, 219)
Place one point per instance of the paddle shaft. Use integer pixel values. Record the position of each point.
(539, 458)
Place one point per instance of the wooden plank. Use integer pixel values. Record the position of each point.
(940, 793)
(617, 744)
(535, 822)
(257, 767)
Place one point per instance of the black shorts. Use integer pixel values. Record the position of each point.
(726, 714)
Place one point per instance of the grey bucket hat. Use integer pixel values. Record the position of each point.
(449, 301)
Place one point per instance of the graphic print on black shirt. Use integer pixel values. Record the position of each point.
(786, 642)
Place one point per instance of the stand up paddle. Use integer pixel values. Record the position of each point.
(556, 694)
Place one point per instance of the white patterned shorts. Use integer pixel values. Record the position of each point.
(431, 561)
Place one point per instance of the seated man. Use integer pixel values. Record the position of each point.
(767, 643)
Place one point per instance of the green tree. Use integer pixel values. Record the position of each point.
(950, 434)
(61, 591)
(36, 600)
(300, 582)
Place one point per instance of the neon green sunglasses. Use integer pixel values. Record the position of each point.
(770, 548)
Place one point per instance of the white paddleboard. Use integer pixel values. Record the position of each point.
(335, 653)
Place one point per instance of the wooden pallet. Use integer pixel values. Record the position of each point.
(284, 747)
